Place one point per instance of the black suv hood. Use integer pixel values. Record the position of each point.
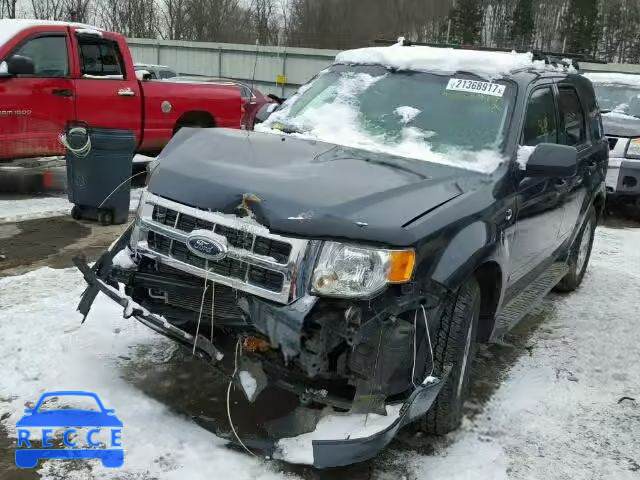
(305, 188)
(621, 125)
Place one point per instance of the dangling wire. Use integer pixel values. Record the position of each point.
(415, 350)
(121, 184)
(426, 327)
(213, 301)
(415, 342)
(235, 372)
(204, 292)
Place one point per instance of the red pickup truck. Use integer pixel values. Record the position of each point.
(55, 72)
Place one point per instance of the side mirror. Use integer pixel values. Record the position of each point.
(276, 98)
(20, 65)
(552, 160)
(265, 112)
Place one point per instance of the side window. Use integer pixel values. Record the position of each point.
(572, 115)
(245, 92)
(99, 58)
(540, 124)
(49, 55)
(595, 119)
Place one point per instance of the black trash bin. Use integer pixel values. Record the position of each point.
(98, 173)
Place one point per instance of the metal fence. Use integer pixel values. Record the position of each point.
(278, 70)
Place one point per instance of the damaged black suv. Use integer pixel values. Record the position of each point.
(404, 206)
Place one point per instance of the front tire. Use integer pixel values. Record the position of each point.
(580, 255)
(454, 346)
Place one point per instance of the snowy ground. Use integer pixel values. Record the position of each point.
(556, 414)
(17, 210)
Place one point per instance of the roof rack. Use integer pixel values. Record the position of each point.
(551, 58)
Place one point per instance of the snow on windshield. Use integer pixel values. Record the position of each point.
(617, 92)
(344, 108)
(489, 65)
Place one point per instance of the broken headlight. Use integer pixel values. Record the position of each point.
(349, 271)
(136, 234)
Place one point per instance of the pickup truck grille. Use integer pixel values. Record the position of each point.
(257, 262)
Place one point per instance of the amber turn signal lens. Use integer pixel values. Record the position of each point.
(255, 344)
(402, 263)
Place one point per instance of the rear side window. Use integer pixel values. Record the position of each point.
(540, 123)
(100, 59)
(49, 56)
(572, 115)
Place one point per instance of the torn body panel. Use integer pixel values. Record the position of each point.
(353, 357)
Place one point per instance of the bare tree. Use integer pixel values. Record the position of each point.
(8, 8)
(78, 10)
(48, 9)
(132, 18)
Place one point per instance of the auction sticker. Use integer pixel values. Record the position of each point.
(475, 86)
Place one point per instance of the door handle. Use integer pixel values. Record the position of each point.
(126, 92)
(62, 92)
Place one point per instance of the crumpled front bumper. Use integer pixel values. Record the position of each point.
(326, 453)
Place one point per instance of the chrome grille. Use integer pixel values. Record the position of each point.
(238, 238)
(257, 262)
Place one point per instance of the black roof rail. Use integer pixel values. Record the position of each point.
(552, 58)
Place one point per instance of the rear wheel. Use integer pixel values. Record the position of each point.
(454, 346)
(580, 255)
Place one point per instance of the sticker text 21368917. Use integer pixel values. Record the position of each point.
(476, 86)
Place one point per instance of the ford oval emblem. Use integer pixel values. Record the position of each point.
(208, 245)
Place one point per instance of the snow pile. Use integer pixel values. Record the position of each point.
(524, 153)
(339, 122)
(613, 79)
(123, 259)
(407, 113)
(560, 412)
(618, 114)
(334, 426)
(46, 207)
(489, 65)
(9, 28)
(33, 208)
(249, 384)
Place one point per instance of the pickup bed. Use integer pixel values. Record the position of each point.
(52, 73)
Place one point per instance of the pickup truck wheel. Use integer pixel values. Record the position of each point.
(580, 255)
(195, 121)
(454, 346)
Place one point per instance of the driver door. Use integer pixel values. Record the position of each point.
(34, 109)
(540, 209)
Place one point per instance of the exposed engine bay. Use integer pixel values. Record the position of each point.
(237, 295)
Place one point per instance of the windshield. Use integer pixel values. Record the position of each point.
(619, 98)
(457, 120)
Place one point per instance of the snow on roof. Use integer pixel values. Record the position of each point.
(9, 28)
(611, 78)
(485, 64)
